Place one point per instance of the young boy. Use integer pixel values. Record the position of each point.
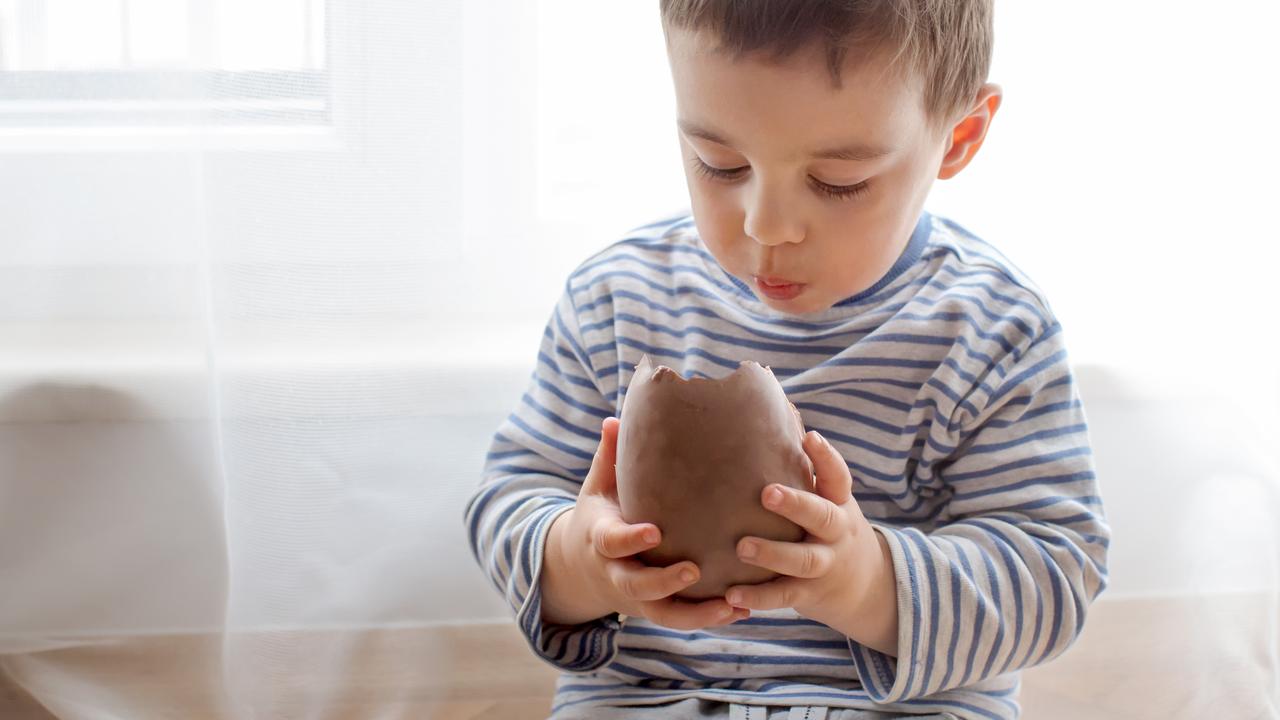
(956, 535)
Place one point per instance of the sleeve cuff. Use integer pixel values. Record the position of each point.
(888, 679)
(572, 648)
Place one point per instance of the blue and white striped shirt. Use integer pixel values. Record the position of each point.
(946, 388)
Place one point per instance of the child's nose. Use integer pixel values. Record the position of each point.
(770, 219)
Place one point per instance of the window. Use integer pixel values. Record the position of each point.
(79, 64)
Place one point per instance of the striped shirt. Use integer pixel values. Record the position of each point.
(946, 388)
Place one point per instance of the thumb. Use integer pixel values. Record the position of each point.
(834, 481)
(799, 420)
(601, 478)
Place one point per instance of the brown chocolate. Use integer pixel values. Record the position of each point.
(693, 458)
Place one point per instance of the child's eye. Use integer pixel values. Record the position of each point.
(836, 191)
(717, 173)
(841, 191)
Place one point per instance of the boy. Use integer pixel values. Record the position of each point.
(956, 535)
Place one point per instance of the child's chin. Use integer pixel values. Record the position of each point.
(802, 304)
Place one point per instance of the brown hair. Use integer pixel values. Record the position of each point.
(947, 43)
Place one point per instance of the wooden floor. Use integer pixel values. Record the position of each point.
(1138, 658)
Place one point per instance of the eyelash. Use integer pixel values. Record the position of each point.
(840, 192)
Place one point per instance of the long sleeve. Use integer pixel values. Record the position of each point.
(534, 469)
(1019, 552)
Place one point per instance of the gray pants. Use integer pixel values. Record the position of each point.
(698, 709)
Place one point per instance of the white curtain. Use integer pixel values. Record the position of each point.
(266, 291)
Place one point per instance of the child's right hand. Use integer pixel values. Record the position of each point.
(589, 570)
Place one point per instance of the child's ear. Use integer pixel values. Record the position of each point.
(968, 134)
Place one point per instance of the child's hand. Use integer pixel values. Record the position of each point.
(841, 574)
(590, 551)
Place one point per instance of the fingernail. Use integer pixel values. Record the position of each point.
(748, 549)
(687, 575)
(651, 536)
(773, 496)
(734, 597)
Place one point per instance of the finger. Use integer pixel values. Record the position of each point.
(810, 511)
(800, 425)
(775, 594)
(601, 479)
(799, 420)
(642, 583)
(738, 615)
(613, 538)
(684, 615)
(796, 559)
(834, 481)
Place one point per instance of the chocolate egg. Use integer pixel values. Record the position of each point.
(693, 458)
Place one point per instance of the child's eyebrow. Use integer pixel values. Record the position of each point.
(856, 151)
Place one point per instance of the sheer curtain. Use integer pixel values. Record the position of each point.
(246, 297)
(272, 272)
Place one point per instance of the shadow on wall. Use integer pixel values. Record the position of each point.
(106, 515)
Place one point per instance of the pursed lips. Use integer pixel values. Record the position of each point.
(774, 281)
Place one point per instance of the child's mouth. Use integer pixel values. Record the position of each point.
(778, 288)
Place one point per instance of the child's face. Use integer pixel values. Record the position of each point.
(774, 217)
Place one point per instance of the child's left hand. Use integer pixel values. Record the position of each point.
(841, 573)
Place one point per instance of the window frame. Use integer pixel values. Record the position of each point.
(52, 99)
